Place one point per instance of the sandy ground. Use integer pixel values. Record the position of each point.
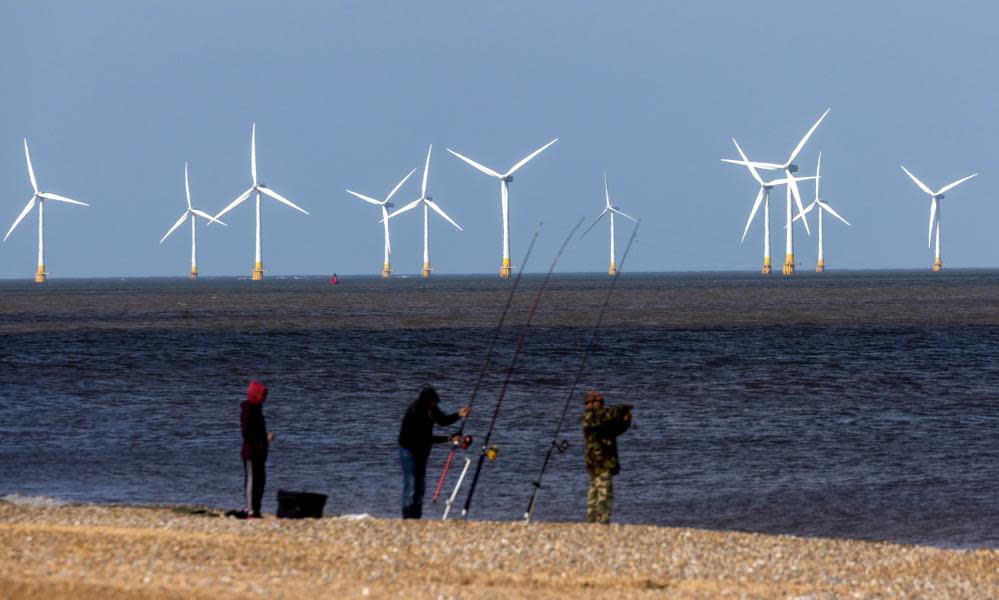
(127, 552)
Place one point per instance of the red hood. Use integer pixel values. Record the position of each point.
(256, 392)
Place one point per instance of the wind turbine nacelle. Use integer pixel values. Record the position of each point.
(261, 184)
(792, 168)
(388, 205)
(428, 198)
(939, 196)
(508, 178)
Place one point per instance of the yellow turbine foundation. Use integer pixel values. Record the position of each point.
(613, 269)
(937, 265)
(821, 266)
(789, 264)
(40, 275)
(766, 265)
(426, 269)
(505, 269)
(194, 272)
(386, 270)
(258, 271)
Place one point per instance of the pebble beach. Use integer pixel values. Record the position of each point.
(51, 550)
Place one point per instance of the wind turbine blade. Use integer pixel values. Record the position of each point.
(205, 215)
(749, 165)
(933, 216)
(594, 223)
(438, 210)
(367, 199)
(187, 186)
(485, 170)
(752, 213)
(606, 191)
(51, 196)
(626, 216)
(807, 210)
(398, 185)
(282, 199)
(797, 199)
(179, 222)
(758, 165)
(831, 211)
(235, 202)
(26, 210)
(426, 171)
(801, 144)
(921, 185)
(253, 154)
(527, 158)
(818, 170)
(951, 186)
(31, 171)
(409, 206)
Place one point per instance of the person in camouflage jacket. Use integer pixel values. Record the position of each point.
(601, 426)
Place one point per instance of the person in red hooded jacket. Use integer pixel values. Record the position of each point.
(256, 440)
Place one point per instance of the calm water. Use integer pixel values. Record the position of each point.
(859, 405)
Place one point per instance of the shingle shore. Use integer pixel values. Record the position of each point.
(93, 551)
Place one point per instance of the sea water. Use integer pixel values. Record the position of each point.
(859, 405)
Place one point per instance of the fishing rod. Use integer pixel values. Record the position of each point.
(555, 445)
(465, 441)
(486, 450)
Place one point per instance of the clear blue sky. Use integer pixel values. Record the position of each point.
(115, 96)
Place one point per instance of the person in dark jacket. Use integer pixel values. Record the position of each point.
(256, 440)
(416, 436)
(601, 426)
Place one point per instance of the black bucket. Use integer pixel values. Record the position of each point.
(300, 505)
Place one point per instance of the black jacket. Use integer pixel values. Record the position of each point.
(417, 431)
(254, 428)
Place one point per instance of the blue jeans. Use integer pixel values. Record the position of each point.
(414, 473)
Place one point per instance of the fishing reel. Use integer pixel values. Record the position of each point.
(561, 446)
(491, 453)
(465, 442)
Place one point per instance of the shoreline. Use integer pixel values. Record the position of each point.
(114, 551)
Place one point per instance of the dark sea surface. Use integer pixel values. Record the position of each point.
(860, 405)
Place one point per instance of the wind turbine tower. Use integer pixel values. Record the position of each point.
(428, 205)
(384, 205)
(789, 169)
(762, 196)
(935, 198)
(823, 207)
(259, 188)
(612, 210)
(191, 213)
(38, 198)
(504, 179)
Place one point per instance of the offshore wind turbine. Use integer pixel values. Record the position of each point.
(789, 169)
(612, 210)
(385, 205)
(764, 197)
(935, 198)
(38, 198)
(193, 213)
(505, 179)
(428, 205)
(820, 266)
(259, 188)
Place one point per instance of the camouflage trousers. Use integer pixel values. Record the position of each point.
(600, 498)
